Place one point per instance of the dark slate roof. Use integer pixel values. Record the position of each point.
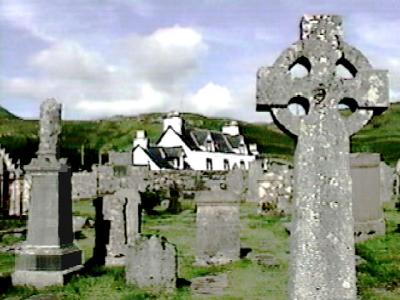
(234, 140)
(173, 152)
(220, 142)
(158, 157)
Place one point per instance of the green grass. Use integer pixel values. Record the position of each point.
(378, 277)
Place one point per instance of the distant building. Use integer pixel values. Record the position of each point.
(193, 148)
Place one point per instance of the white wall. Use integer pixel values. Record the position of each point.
(198, 160)
(140, 158)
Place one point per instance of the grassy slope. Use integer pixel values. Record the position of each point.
(20, 137)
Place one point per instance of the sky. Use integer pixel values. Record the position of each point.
(125, 57)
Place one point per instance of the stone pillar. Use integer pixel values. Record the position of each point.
(152, 262)
(218, 227)
(367, 206)
(49, 255)
(322, 241)
(122, 211)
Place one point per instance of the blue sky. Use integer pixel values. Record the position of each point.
(107, 57)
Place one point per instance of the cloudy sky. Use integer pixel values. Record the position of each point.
(107, 57)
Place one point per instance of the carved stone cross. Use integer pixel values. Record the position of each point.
(322, 242)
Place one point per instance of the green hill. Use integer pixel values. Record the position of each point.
(5, 114)
(20, 137)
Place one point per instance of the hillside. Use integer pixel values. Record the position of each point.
(5, 114)
(20, 137)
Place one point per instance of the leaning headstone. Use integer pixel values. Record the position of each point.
(122, 211)
(218, 227)
(322, 241)
(49, 255)
(367, 206)
(152, 263)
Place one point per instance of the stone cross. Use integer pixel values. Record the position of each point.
(322, 244)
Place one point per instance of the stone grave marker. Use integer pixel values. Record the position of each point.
(218, 227)
(49, 255)
(322, 241)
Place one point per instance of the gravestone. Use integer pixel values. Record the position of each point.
(367, 206)
(152, 262)
(235, 182)
(49, 255)
(218, 227)
(322, 242)
(387, 182)
(122, 211)
(255, 173)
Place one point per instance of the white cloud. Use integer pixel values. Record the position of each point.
(150, 74)
(148, 100)
(211, 99)
(23, 15)
(67, 59)
(166, 57)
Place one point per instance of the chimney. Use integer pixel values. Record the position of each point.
(175, 121)
(141, 139)
(253, 149)
(232, 128)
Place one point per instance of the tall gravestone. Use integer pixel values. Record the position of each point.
(322, 242)
(49, 253)
(122, 211)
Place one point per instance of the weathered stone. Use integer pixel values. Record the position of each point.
(387, 182)
(210, 285)
(50, 129)
(218, 227)
(367, 207)
(322, 241)
(78, 222)
(49, 255)
(152, 262)
(84, 185)
(122, 211)
(255, 173)
(235, 182)
(264, 259)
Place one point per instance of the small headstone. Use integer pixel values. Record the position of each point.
(152, 262)
(367, 206)
(218, 227)
(255, 173)
(78, 223)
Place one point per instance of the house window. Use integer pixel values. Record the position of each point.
(209, 164)
(209, 145)
(226, 164)
(242, 165)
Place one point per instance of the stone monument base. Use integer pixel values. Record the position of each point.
(45, 266)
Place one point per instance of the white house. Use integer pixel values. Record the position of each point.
(193, 148)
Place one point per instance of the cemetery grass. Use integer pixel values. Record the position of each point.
(378, 276)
